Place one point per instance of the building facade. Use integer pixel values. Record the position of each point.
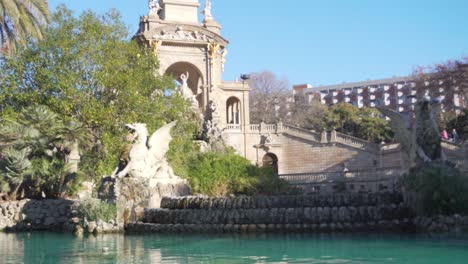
(397, 93)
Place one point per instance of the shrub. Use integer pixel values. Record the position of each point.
(220, 174)
(442, 188)
(94, 210)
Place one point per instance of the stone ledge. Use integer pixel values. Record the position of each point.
(380, 226)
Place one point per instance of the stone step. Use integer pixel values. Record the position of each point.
(403, 225)
(294, 201)
(308, 215)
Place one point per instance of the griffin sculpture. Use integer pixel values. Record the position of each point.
(147, 155)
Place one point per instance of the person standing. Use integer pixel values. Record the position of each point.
(444, 135)
(454, 135)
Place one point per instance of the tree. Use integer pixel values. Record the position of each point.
(268, 97)
(365, 123)
(449, 79)
(86, 69)
(35, 151)
(372, 126)
(343, 117)
(460, 124)
(309, 115)
(20, 20)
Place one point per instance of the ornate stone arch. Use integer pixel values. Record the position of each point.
(195, 81)
(233, 111)
(270, 160)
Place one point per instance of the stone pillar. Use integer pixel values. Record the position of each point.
(333, 136)
(324, 137)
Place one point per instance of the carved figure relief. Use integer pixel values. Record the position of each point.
(181, 34)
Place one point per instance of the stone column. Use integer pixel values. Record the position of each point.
(324, 137)
(333, 136)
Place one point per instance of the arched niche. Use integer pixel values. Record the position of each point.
(270, 160)
(195, 80)
(233, 111)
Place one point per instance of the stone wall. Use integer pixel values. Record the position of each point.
(347, 212)
(442, 224)
(36, 215)
(133, 195)
(51, 215)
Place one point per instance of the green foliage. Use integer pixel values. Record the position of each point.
(20, 20)
(36, 143)
(459, 123)
(221, 174)
(86, 69)
(442, 187)
(365, 123)
(94, 210)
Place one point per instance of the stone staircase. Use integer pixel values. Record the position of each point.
(316, 213)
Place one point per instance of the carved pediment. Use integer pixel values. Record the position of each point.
(184, 34)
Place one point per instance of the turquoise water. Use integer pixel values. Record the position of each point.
(61, 248)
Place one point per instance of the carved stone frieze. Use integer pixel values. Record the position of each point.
(185, 33)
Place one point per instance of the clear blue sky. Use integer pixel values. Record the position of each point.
(327, 41)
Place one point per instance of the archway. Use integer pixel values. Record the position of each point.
(233, 111)
(195, 80)
(270, 160)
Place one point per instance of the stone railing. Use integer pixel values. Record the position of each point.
(355, 142)
(380, 174)
(296, 131)
(231, 127)
(332, 137)
(315, 177)
(254, 128)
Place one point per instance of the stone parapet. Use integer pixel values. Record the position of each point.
(380, 226)
(281, 216)
(293, 201)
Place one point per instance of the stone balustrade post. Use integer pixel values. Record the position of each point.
(261, 127)
(333, 136)
(324, 137)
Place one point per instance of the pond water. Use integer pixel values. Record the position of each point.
(281, 248)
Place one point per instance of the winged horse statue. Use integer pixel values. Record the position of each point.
(147, 155)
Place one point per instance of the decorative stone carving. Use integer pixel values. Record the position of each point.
(213, 108)
(182, 35)
(147, 156)
(207, 10)
(155, 45)
(223, 59)
(187, 93)
(154, 8)
(420, 138)
(266, 139)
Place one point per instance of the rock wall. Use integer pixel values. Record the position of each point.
(442, 224)
(133, 195)
(347, 212)
(36, 215)
(51, 215)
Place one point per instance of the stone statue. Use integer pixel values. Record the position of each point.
(213, 109)
(147, 155)
(207, 10)
(187, 93)
(420, 139)
(154, 7)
